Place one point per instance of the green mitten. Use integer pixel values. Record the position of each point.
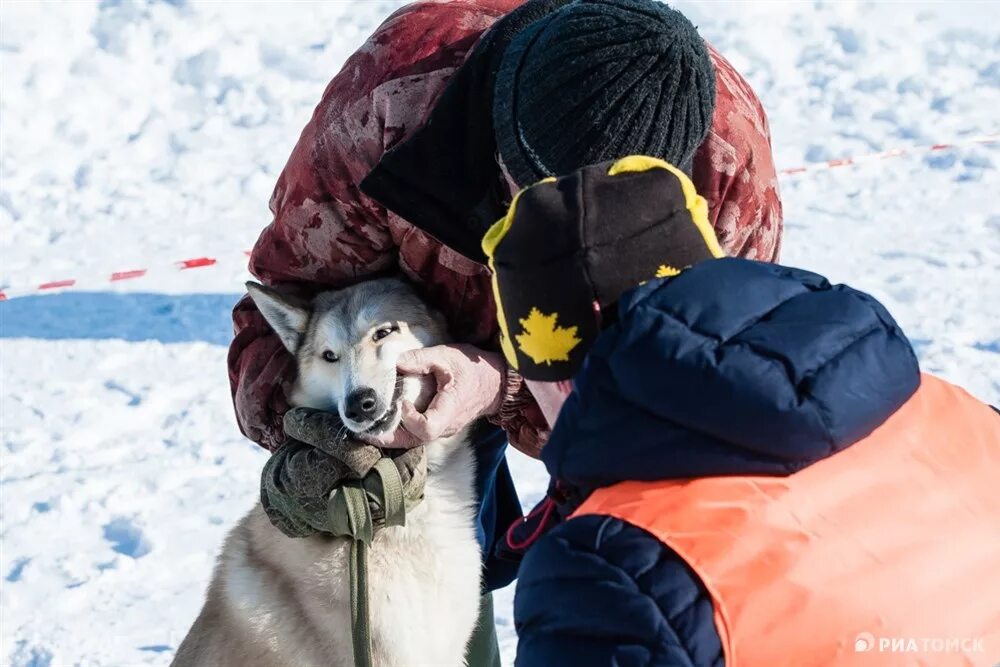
(299, 478)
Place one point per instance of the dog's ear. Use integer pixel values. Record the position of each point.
(287, 315)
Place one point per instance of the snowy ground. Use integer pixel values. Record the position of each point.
(135, 133)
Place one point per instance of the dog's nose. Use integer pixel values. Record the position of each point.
(361, 405)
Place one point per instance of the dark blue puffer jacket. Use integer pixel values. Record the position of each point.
(732, 367)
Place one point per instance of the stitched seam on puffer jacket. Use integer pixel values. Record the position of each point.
(654, 650)
(819, 408)
(810, 374)
(809, 290)
(656, 310)
(665, 554)
(823, 412)
(716, 338)
(891, 326)
(791, 464)
(739, 448)
(664, 618)
(778, 273)
(762, 318)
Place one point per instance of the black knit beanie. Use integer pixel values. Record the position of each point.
(601, 79)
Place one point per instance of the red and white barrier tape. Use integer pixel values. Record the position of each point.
(895, 152)
(114, 277)
(200, 262)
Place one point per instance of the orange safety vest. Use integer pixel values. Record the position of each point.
(886, 553)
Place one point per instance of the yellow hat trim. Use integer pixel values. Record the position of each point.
(491, 241)
(695, 203)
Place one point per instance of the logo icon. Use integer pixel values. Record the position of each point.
(865, 641)
(543, 340)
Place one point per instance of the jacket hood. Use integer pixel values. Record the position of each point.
(732, 367)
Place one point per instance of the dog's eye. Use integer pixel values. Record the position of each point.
(383, 332)
(330, 357)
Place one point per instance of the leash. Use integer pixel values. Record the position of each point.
(351, 516)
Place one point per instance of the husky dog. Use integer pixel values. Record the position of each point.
(277, 601)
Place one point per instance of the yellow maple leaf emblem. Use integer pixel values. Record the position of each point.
(543, 340)
(665, 271)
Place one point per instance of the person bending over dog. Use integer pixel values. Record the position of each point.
(427, 130)
(748, 466)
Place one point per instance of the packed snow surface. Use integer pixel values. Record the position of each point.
(133, 134)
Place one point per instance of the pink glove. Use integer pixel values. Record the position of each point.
(469, 383)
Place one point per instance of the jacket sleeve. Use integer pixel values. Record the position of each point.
(522, 419)
(734, 170)
(599, 592)
(325, 233)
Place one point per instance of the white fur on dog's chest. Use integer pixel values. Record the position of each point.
(421, 588)
(423, 581)
(424, 578)
(420, 574)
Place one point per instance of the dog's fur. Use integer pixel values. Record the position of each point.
(276, 601)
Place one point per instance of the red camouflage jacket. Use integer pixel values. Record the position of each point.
(327, 234)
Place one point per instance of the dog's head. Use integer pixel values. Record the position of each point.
(346, 343)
